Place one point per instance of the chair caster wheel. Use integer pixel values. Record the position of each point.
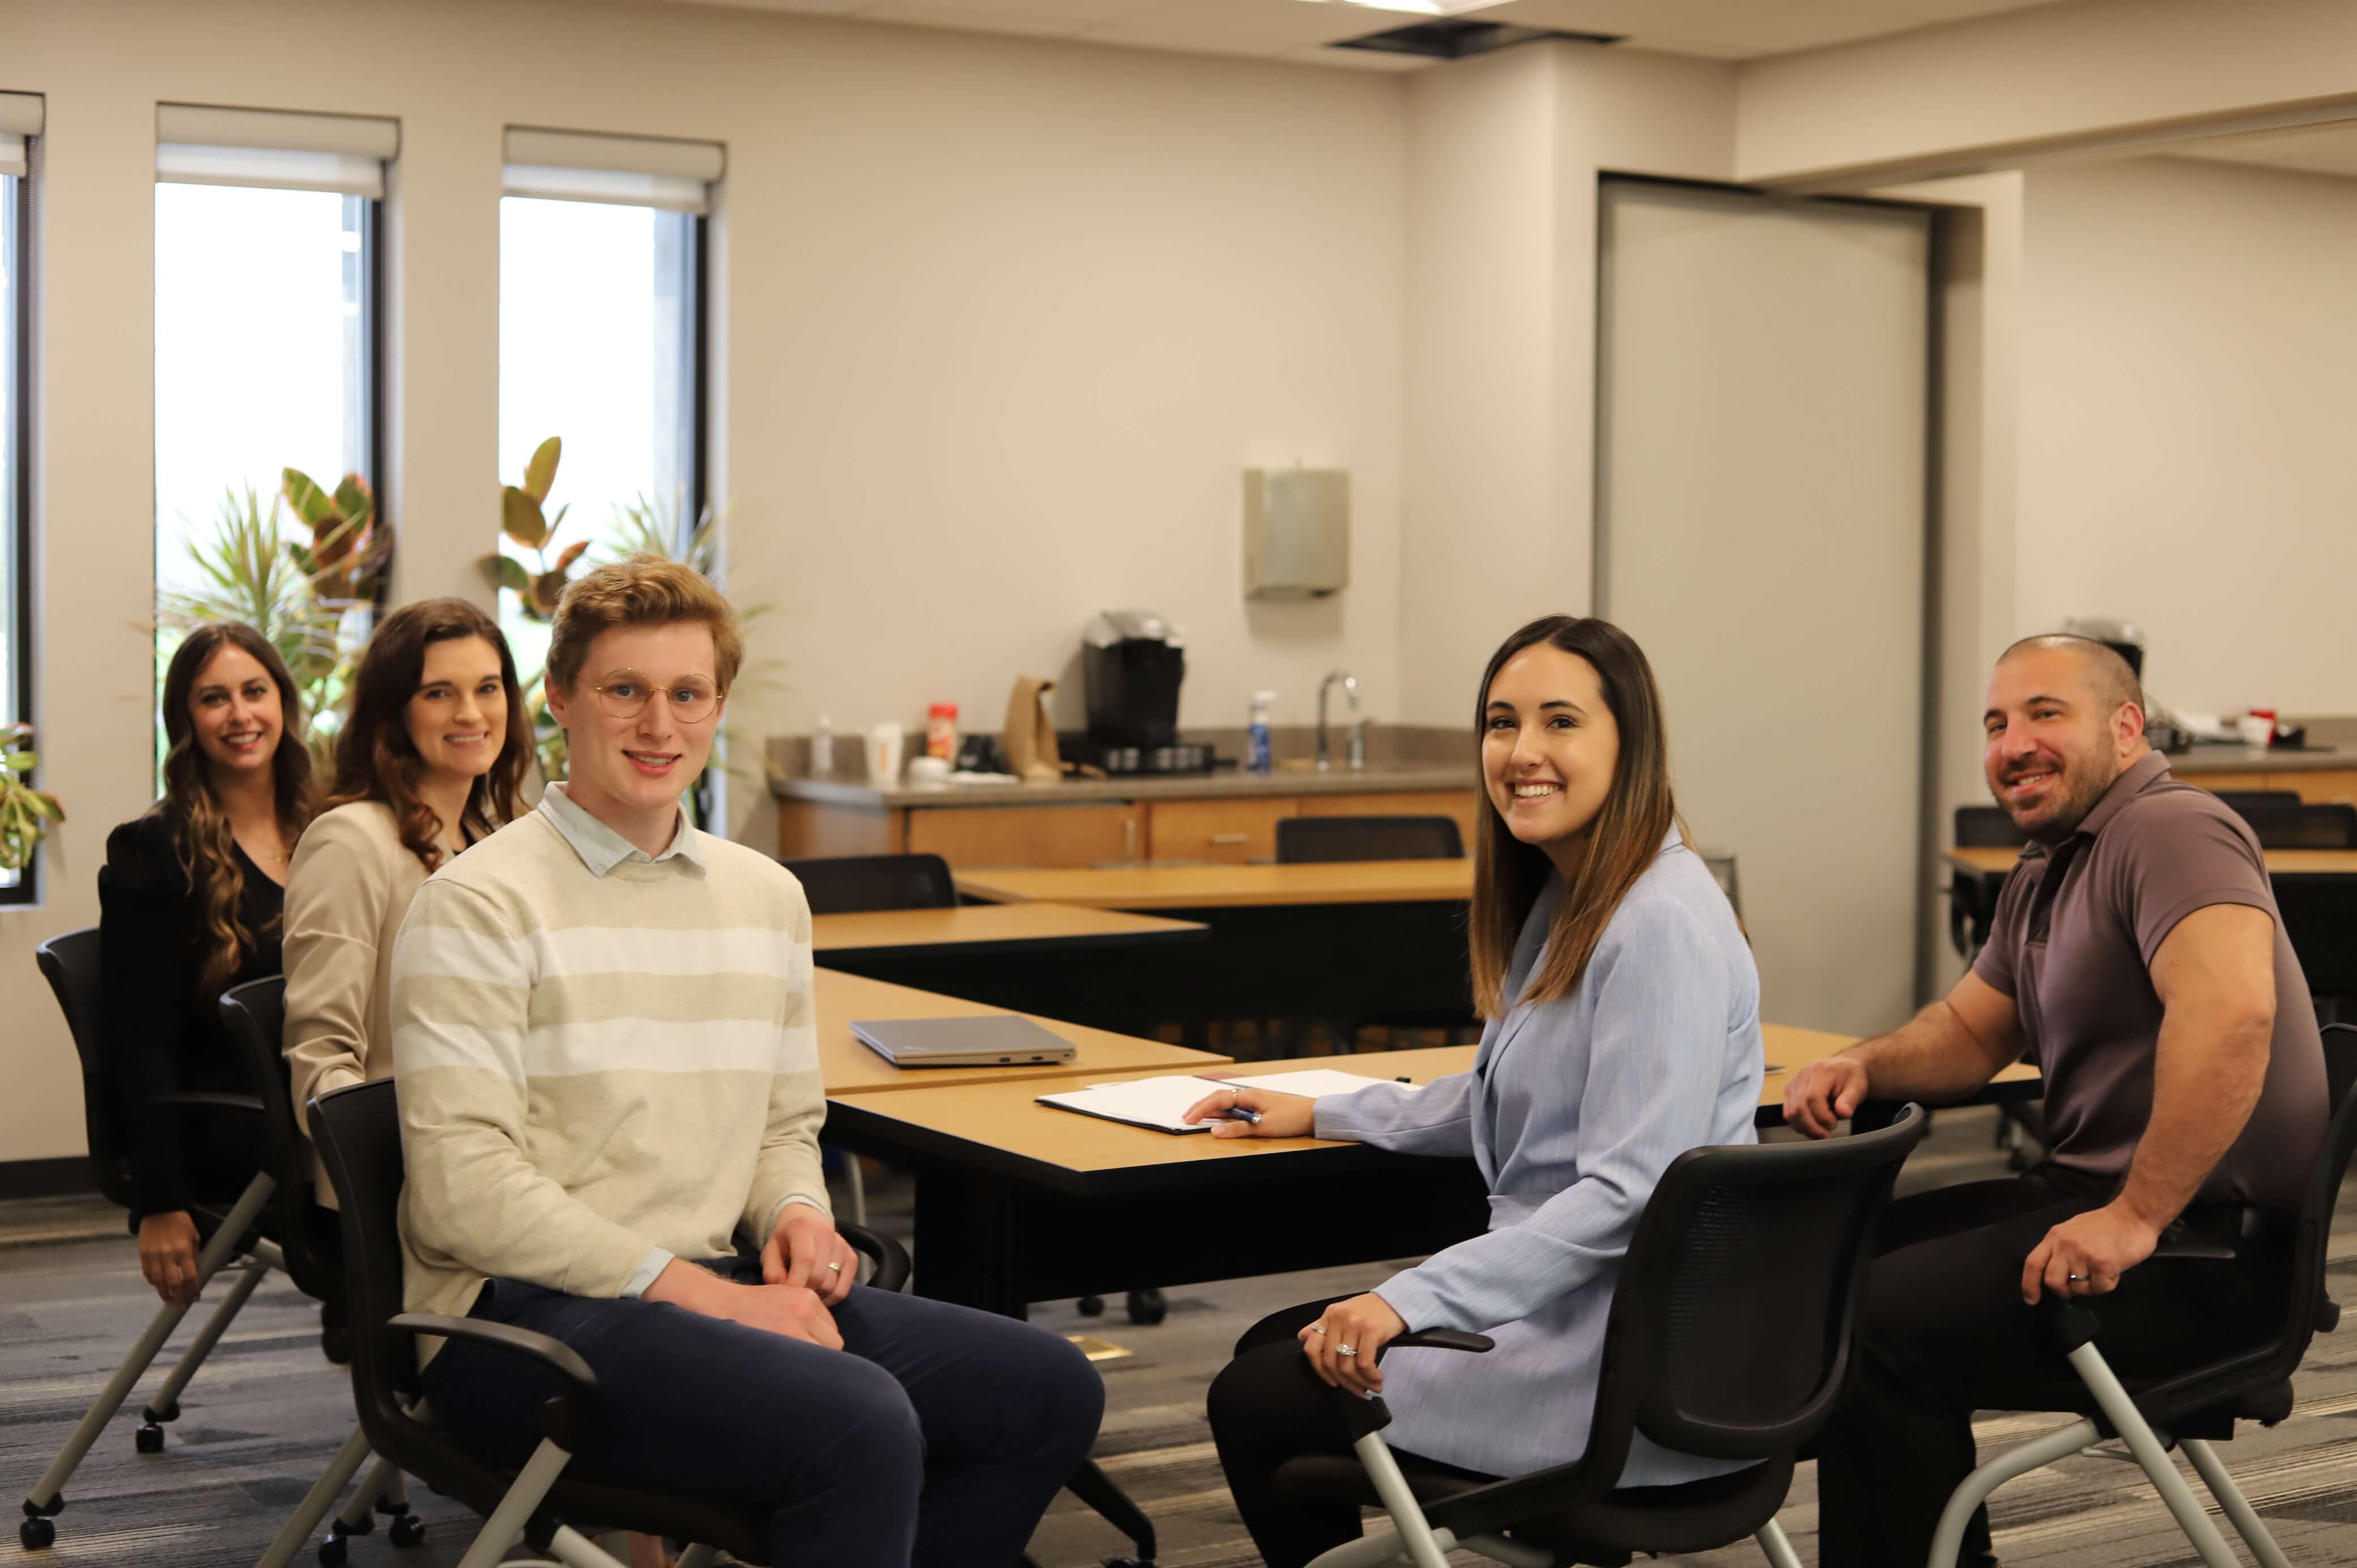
(333, 1551)
(35, 1534)
(1147, 1307)
(149, 1439)
(408, 1531)
(1091, 1306)
(367, 1523)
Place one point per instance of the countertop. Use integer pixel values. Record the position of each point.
(1226, 785)
(2259, 759)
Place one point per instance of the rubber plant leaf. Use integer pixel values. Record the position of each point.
(506, 572)
(541, 472)
(311, 503)
(521, 518)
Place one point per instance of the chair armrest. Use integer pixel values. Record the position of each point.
(563, 1417)
(2176, 1246)
(193, 1097)
(891, 1258)
(1440, 1339)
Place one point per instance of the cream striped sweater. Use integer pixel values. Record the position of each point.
(604, 1061)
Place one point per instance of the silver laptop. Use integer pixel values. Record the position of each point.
(994, 1039)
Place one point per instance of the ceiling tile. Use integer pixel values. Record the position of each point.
(1273, 23)
(919, 13)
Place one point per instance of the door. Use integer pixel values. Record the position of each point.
(1762, 406)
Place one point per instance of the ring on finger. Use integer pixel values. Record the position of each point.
(1317, 1329)
(1346, 1349)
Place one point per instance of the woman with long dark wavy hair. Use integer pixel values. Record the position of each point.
(432, 759)
(189, 905)
(1623, 1029)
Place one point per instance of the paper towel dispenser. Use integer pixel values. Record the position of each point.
(1297, 533)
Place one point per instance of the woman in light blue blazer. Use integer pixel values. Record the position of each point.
(1623, 1029)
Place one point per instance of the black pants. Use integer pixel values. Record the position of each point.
(937, 1436)
(1267, 1407)
(1946, 1334)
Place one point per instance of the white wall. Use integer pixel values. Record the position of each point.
(1505, 156)
(1002, 322)
(2188, 395)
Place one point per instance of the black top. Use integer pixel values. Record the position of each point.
(161, 1037)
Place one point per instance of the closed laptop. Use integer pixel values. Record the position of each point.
(994, 1039)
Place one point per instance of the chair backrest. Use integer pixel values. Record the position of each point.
(854, 884)
(1737, 1313)
(1987, 827)
(2247, 800)
(1302, 840)
(2303, 826)
(71, 964)
(2311, 1248)
(254, 1015)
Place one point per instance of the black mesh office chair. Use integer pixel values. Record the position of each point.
(232, 1232)
(1301, 840)
(2200, 1404)
(1731, 1335)
(312, 1249)
(359, 1132)
(851, 884)
(2248, 800)
(2304, 825)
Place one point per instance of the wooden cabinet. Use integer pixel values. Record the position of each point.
(1048, 836)
(2318, 786)
(1462, 804)
(1222, 831)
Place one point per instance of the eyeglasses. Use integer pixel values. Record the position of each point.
(625, 694)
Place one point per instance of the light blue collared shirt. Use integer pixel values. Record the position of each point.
(601, 849)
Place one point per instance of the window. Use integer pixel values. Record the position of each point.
(20, 117)
(601, 241)
(267, 329)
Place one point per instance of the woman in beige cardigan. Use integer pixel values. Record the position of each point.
(432, 759)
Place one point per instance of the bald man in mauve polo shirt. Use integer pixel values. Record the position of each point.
(2137, 954)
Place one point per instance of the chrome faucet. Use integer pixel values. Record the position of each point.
(1358, 721)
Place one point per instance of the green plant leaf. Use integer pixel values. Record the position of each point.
(570, 554)
(311, 503)
(541, 472)
(302, 558)
(45, 805)
(546, 589)
(520, 519)
(21, 761)
(506, 572)
(354, 500)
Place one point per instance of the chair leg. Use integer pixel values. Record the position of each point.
(575, 1550)
(1948, 1540)
(1400, 1502)
(505, 1526)
(316, 1502)
(1775, 1548)
(2121, 1412)
(165, 1405)
(358, 1516)
(47, 1495)
(2238, 1509)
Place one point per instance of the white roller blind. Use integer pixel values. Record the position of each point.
(635, 171)
(20, 117)
(196, 145)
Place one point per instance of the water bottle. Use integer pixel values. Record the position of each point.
(1258, 760)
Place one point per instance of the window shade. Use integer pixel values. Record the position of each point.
(20, 117)
(635, 171)
(342, 153)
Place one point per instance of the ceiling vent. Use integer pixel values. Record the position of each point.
(1459, 39)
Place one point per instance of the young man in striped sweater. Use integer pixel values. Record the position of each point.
(604, 1037)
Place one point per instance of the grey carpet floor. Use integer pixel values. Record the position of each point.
(261, 1420)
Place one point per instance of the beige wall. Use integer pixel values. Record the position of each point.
(1985, 93)
(1504, 156)
(1002, 321)
(2189, 393)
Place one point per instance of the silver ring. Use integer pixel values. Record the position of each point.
(1346, 1349)
(1317, 1329)
(2072, 1279)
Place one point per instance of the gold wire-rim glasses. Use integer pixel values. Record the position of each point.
(692, 699)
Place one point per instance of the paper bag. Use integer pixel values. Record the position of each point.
(1029, 740)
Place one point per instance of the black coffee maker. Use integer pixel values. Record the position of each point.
(1131, 664)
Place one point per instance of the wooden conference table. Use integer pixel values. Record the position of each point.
(1017, 1202)
(2316, 890)
(1344, 941)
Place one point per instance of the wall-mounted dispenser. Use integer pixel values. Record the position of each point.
(1297, 533)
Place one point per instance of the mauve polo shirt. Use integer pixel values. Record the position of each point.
(2073, 944)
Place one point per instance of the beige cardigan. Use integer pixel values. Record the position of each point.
(347, 893)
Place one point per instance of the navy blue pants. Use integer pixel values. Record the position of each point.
(937, 1435)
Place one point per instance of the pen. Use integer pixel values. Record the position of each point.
(1238, 1113)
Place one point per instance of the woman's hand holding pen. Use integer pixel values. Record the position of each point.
(1256, 1113)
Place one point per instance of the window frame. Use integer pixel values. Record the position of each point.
(16, 195)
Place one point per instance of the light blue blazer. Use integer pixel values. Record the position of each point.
(1573, 1110)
